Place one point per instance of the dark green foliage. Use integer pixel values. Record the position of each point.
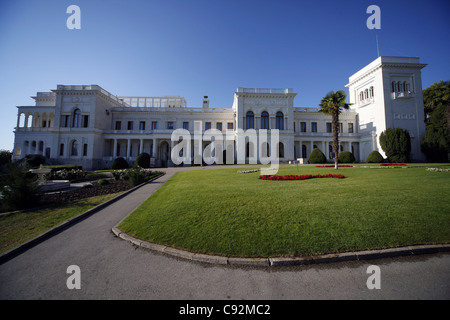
(34, 160)
(375, 157)
(436, 142)
(119, 163)
(346, 157)
(19, 189)
(396, 144)
(137, 176)
(103, 182)
(436, 95)
(142, 160)
(5, 157)
(317, 156)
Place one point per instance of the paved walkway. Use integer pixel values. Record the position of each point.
(112, 268)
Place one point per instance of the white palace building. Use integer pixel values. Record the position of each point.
(87, 125)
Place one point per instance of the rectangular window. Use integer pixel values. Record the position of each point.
(85, 121)
(350, 127)
(130, 125)
(66, 120)
(230, 126)
(219, 126)
(61, 149)
(329, 130)
(186, 125)
(85, 149)
(154, 125)
(207, 125)
(170, 125)
(142, 125)
(118, 125)
(302, 126)
(341, 127)
(313, 126)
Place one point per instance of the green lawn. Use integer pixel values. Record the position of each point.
(17, 228)
(220, 211)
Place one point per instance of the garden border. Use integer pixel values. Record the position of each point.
(283, 261)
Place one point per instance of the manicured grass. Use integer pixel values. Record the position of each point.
(222, 212)
(17, 228)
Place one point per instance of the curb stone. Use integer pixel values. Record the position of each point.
(285, 261)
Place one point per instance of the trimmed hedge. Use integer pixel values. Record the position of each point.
(119, 163)
(142, 160)
(346, 157)
(317, 156)
(375, 157)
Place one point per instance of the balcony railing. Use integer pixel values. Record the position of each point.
(402, 95)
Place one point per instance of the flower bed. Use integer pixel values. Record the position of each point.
(301, 177)
(332, 166)
(392, 164)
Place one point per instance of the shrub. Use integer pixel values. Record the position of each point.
(142, 160)
(346, 157)
(137, 176)
(20, 190)
(103, 182)
(317, 156)
(396, 144)
(119, 163)
(34, 160)
(375, 157)
(72, 175)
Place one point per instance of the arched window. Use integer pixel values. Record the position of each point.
(77, 118)
(361, 96)
(74, 148)
(280, 120)
(250, 120)
(394, 86)
(264, 120)
(405, 87)
(399, 87)
(371, 92)
(366, 94)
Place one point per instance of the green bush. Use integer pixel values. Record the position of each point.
(346, 157)
(142, 160)
(19, 189)
(34, 160)
(103, 182)
(119, 163)
(375, 157)
(317, 156)
(137, 176)
(396, 144)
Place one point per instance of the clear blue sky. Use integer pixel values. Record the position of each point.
(194, 48)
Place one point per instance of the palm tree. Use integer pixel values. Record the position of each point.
(333, 104)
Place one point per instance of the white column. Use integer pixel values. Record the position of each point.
(153, 150)
(128, 148)
(114, 149)
(141, 145)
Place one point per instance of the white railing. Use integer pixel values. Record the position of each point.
(264, 90)
(402, 95)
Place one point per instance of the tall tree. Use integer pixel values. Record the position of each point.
(434, 96)
(332, 104)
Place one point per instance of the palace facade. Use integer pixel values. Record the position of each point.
(87, 125)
